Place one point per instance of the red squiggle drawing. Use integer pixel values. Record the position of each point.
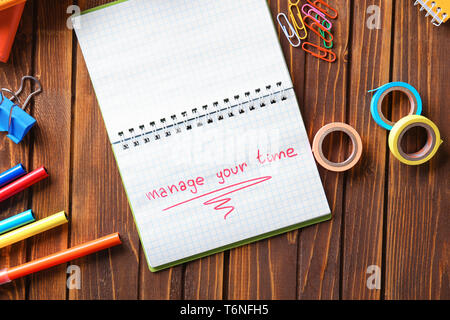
(219, 200)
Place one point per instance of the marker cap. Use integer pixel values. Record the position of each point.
(4, 276)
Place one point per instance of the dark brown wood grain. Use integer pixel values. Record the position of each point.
(163, 285)
(203, 278)
(98, 199)
(325, 101)
(365, 184)
(19, 65)
(51, 141)
(384, 213)
(417, 256)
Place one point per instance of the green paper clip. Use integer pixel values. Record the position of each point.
(326, 25)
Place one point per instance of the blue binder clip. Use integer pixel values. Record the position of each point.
(13, 117)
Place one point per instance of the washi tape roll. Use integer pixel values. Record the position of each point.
(383, 91)
(428, 150)
(317, 147)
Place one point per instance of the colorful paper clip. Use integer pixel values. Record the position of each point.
(13, 117)
(325, 44)
(327, 8)
(289, 35)
(324, 56)
(313, 12)
(298, 23)
(320, 27)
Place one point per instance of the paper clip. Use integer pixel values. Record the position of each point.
(22, 84)
(13, 117)
(320, 56)
(315, 16)
(295, 21)
(324, 10)
(289, 35)
(321, 27)
(325, 44)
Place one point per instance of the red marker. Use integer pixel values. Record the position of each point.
(7, 275)
(21, 184)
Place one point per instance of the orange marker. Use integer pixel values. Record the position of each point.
(7, 275)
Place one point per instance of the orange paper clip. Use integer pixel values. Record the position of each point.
(321, 27)
(298, 23)
(324, 56)
(326, 10)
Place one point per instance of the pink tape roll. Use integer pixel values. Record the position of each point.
(351, 161)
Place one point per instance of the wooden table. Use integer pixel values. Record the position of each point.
(384, 213)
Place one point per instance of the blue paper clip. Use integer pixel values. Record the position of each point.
(13, 117)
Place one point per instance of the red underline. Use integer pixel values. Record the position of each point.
(258, 180)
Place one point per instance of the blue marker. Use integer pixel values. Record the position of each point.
(12, 174)
(16, 221)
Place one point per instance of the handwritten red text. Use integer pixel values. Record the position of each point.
(190, 184)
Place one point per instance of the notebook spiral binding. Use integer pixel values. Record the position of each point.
(198, 117)
(438, 14)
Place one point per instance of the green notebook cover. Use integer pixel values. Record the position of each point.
(103, 6)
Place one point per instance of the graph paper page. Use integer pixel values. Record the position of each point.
(233, 172)
(236, 195)
(151, 59)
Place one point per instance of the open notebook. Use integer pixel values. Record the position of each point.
(204, 123)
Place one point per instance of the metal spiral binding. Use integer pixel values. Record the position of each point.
(429, 7)
(202, 116)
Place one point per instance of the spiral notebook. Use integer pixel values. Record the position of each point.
(204, 123)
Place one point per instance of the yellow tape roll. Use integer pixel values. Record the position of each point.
(429, 149)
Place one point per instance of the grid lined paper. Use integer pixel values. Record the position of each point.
(153, 59)
(176, 55)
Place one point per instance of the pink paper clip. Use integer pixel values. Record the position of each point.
(327, 32)
(318, 12)
(325, 8)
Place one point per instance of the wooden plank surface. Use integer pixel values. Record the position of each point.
(417, 255)
(325, 101)
(384, 213)
(98, 199)
(51, 141)
(362, 227)
(20, 64)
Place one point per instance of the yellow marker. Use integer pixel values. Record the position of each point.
(33, 229)
(423, 155)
